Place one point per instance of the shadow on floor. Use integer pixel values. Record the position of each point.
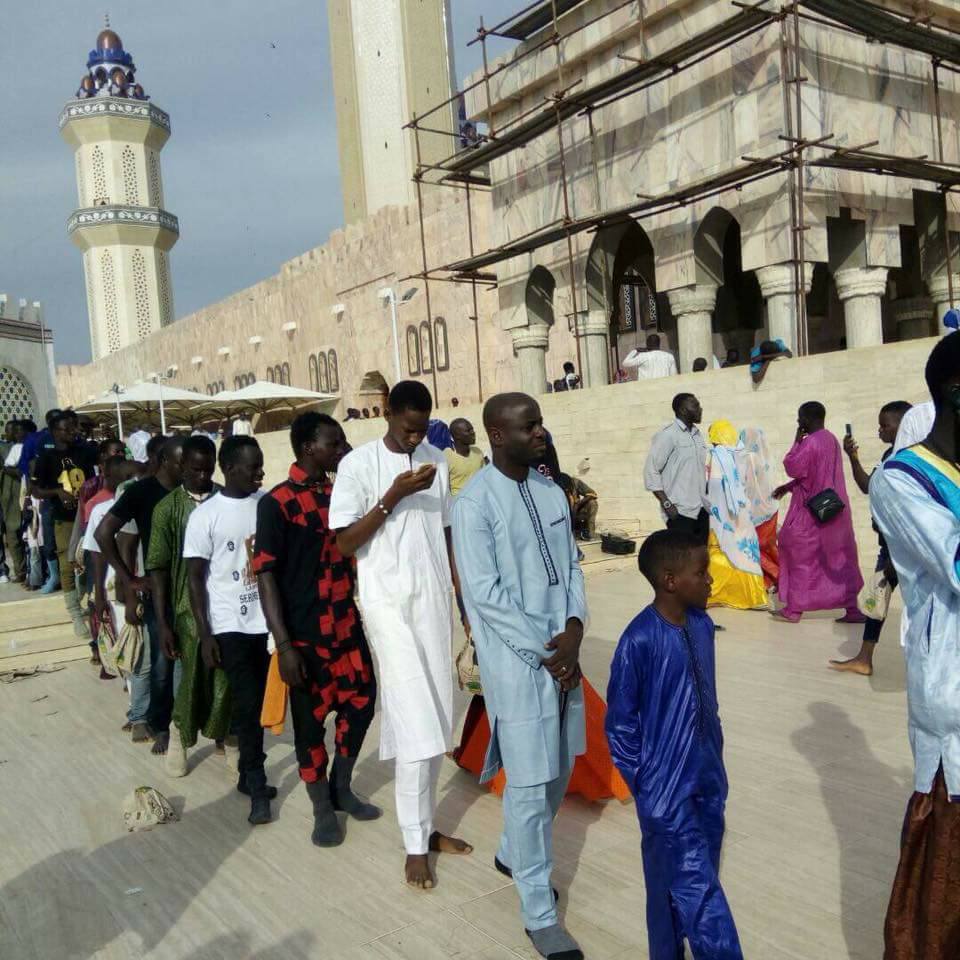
(74, 904)
(236, 946)
(874, 778)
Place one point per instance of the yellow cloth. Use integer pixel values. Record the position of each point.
(462, 468)
(723, 433)
(274, 712)
(733, 587)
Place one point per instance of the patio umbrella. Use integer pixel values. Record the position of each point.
(146, 398)
(265, 396)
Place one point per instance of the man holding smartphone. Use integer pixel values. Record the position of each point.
(390, 508)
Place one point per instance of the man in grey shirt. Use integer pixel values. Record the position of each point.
(676, 469)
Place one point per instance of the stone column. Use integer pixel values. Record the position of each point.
(913, 317)
(593, 330)
(860, 290)
(940, 294)
(530, 346)
(778, 286)
(693, 309)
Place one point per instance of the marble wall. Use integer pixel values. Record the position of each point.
(702, 122)
(603, 435)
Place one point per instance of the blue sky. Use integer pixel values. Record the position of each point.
(251, 167)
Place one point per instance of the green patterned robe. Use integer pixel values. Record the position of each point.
(202, 702)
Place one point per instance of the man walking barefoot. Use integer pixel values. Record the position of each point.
(390, 508)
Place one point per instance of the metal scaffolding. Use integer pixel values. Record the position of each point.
(468, 169)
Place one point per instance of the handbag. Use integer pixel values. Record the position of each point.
(876, 598)
(129, 649)
(468, 670)
(826, 505)
(107, 646)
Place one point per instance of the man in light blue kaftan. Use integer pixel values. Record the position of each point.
(524, 595)
(915, 499)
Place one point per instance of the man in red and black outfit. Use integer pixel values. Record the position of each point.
(306, 589)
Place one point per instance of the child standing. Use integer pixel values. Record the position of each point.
(663, 727)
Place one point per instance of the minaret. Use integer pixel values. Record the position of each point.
(120, 222)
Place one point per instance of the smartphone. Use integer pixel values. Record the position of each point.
(849, 430)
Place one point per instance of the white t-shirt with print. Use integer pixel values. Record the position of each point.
(221, 530)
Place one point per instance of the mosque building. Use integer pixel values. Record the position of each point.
(27, 383)
(710, 172)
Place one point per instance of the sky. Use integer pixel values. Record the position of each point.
(250, 169)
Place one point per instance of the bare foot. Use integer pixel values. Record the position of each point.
(160, 742)
(854, 665)
(443, 844)
(782, 617)
(851, 618)
(417, 870)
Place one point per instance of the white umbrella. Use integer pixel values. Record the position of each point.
(264, 396)
(145, 398)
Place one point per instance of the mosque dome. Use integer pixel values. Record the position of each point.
(107, 57)
(109, 40)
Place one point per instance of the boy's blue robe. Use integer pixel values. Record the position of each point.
(663, 727)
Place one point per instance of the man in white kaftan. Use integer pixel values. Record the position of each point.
(390, 506)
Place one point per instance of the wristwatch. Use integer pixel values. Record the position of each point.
(666, 504)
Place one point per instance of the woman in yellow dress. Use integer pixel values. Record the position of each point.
(734, 547)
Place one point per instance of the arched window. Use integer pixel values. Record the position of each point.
(322, 378)
(426, 348)
(270, 375)
(333, 371)
(285, 375)
(413, 351)
(312, 368)
(440, 344)
(17, 401)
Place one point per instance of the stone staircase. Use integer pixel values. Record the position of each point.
(35, 630)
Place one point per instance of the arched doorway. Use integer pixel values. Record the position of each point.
(539, 297)
(738, 310)
(17, 400)
(621, 288)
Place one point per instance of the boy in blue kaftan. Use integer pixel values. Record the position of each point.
(664, 731)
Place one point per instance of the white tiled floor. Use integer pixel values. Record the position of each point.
(819, 770)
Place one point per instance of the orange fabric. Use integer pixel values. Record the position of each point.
(769, 552)
(594, 775)
(274, 712)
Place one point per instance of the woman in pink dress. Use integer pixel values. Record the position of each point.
(819, 569)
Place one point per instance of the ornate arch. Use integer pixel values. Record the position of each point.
(17, 400)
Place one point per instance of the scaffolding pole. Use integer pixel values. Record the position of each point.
(866, 20)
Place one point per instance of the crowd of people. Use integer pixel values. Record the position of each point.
(215, 603)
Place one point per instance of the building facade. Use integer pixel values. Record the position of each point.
(390, 60)
(658, 168)
(667, 202)
(27, 385)
(121, 224)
